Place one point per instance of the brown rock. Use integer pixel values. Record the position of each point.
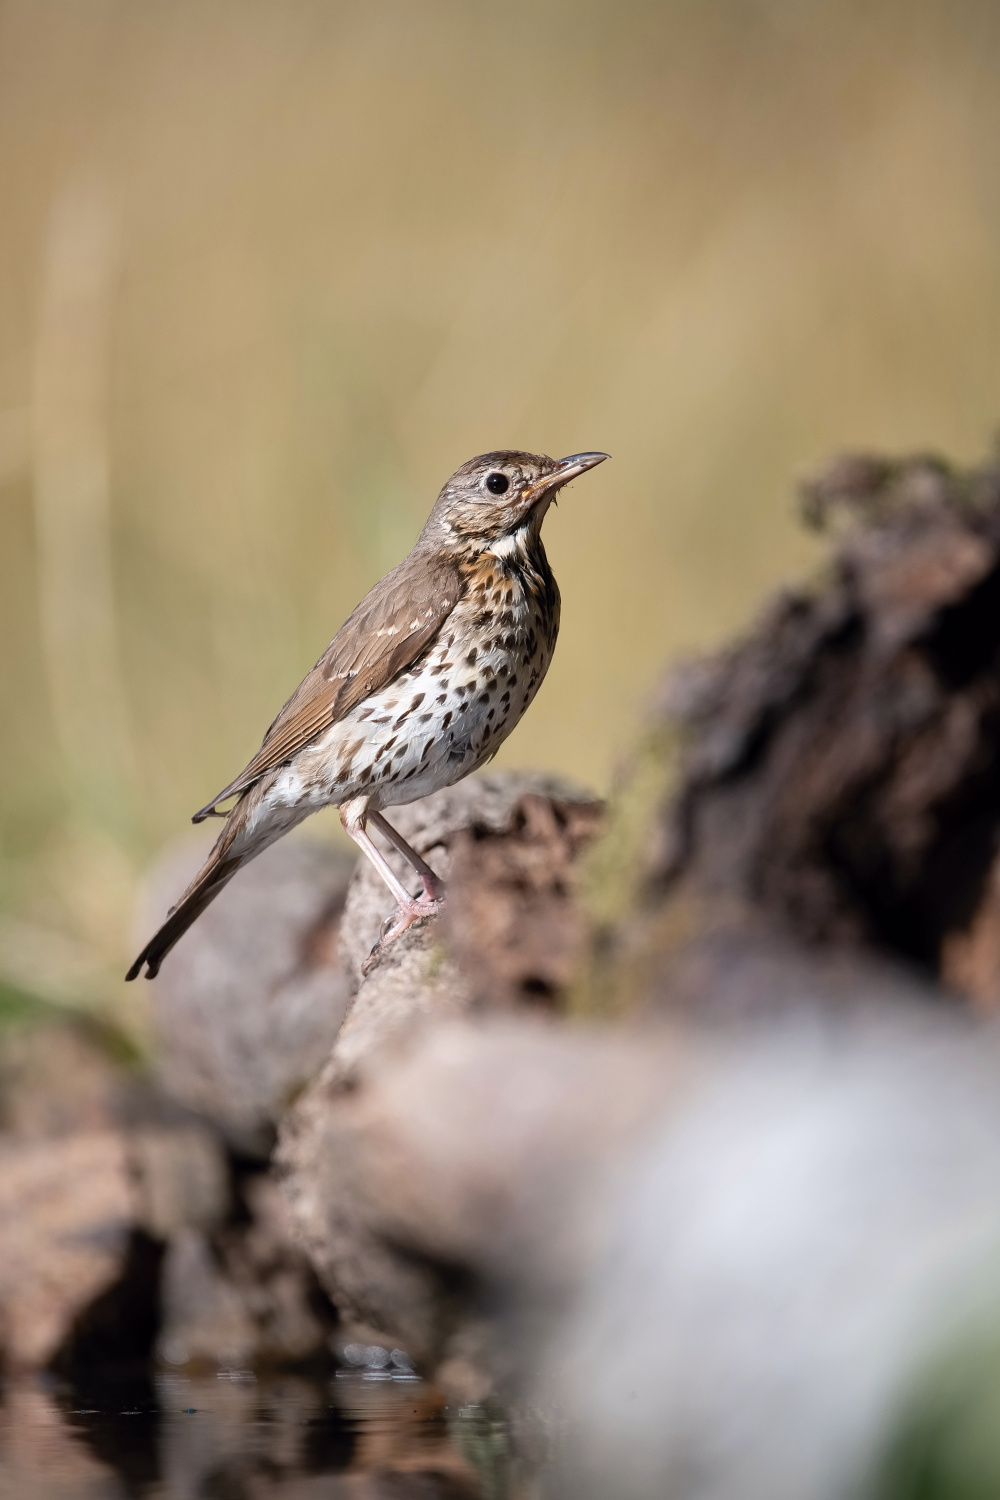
(411, 980)
(67, 1208)
(243, 1296)
(56, 1078)
(292, 1322)
(204, 1318)
(181, 1179)
(508, 844)
(970, 956)
(514, 926)
(91, 1163)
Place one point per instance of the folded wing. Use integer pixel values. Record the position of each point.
(391, 627)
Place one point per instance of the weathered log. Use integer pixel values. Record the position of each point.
(833, 782)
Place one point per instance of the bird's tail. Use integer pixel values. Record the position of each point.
(216, 873)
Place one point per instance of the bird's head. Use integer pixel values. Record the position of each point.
(499, 494)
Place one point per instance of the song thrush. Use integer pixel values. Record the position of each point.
(420, 686)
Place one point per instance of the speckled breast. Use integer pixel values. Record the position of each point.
(450, 712)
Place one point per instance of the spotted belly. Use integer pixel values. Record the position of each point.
(435, 723)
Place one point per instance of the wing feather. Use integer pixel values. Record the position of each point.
(391, 627)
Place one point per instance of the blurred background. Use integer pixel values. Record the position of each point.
(271, 272)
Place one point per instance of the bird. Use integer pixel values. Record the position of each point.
(420, 686)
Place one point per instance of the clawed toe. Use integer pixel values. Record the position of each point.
(404, 917)
(401, 920)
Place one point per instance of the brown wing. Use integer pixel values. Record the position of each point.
(385, 634)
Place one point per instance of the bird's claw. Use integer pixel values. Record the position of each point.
(401, 920)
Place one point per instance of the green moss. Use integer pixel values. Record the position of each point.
(20, 1009)
(947, 1443)
(435, 961)
(613, 872)
(481, 1432)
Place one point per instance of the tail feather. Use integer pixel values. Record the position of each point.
(215, 874)
(248, 832)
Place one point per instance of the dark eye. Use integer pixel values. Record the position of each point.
(497, 484)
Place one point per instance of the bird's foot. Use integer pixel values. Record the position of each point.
(403, 918)
(407, 914)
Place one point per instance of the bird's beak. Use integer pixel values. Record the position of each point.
(565, 470)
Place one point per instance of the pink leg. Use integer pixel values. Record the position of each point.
(433, 884)
(354, 815)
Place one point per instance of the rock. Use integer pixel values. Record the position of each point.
(68, 1204)
(204, 1318)
(510, 844)
(55, 1078)
(67, 1210)
(732, 1257)
(181, 1179)
(461, 1154)
(507, 842)
(98, 1174)
(515, 926)
(970, 955)
(243, 1296)
(291, 1319)
(412, 980)
(248, 1005)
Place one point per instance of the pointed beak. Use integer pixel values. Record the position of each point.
(565, 470)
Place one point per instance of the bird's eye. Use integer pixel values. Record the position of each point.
(497, 484)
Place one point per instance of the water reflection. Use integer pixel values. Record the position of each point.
(237, 1437)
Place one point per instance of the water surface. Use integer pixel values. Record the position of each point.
(236, 1436)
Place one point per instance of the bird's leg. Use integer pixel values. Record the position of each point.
(433, 884)
(354, 816)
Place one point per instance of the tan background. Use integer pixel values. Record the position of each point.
(269, 272)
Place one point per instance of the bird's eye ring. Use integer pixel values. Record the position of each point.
(497, 484)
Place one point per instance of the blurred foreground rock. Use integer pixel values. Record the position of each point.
(802, 1264)
(735, 1258)
(462, 1153)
